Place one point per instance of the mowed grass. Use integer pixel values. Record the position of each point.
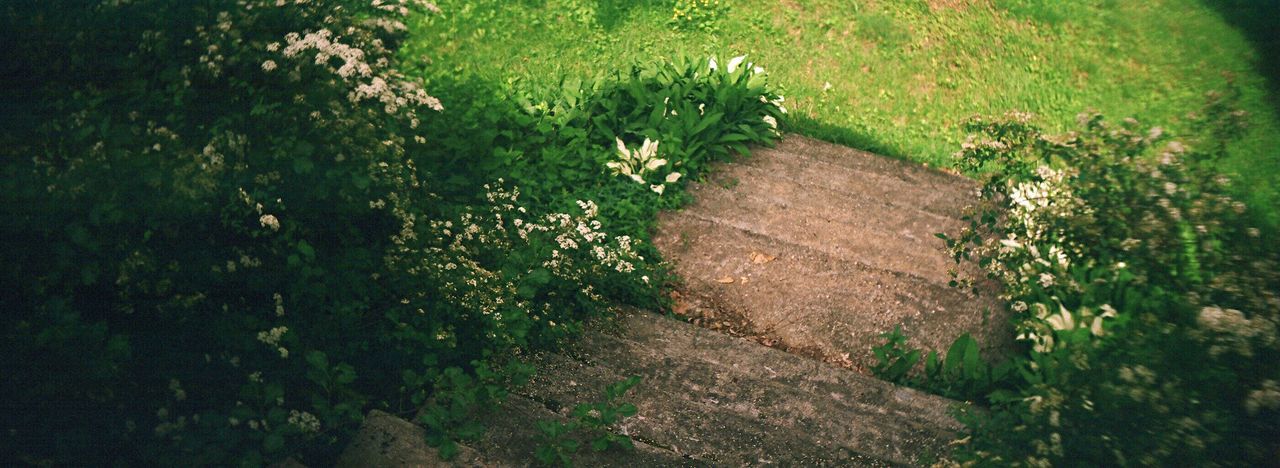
(899, 77)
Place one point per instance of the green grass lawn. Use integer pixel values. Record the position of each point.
(898, 77)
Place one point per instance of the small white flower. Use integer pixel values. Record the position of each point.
(712, 64)
(778, 103)
(1096, 327)
(1108, 311)
(269, 221)
(637, 178)
(658, 188)
(673, 177)
(1062, 320)
(773, 123)
(654, 164)
(734, 62)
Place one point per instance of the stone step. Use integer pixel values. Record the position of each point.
(511, 439)
(872, 218)
(908, 175)
(695, 424)
(808, 298)
(865, 176)
(704, 399)
(840, 412)
(856, 255)
(833, 225)
(743, 359)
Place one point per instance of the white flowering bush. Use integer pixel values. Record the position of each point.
(1145, 296)
(510, 275)
(222, 246)
(200, 196)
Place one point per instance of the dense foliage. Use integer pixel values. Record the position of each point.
(563, 142)
(1145, 297)
(220, 243)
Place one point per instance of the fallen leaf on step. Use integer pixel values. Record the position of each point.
(680, 307)
(761, 257)
(725, 280)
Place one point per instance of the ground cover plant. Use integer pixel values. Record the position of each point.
(1145, 296)
(902, 77)
(232, 228)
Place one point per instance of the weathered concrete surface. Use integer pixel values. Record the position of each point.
(818, 249)
(727, 401)
(388, 441)
(705, 399)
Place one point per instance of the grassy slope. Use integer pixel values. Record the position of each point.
(902, 74)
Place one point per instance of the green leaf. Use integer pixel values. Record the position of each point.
(318, 360)
(903, 365)
(448, 449)
(306, 250)
(273, 443)
(627, 410)
(972, 363)
(303, 165)
(707, 121)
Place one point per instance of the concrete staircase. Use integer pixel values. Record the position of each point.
(811, 248)
(705, 399)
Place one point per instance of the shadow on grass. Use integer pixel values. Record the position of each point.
(612, 13)
(1259, 20)
(813, 128)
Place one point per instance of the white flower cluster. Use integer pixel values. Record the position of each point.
(374, 81)
(1034, 206)
(1265, 398)
(1036, 255)
(1229, 330)
(272, 338)
(462, 255)
(1040, 331)
(635, 163)
(327, 48)
(304, 421)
